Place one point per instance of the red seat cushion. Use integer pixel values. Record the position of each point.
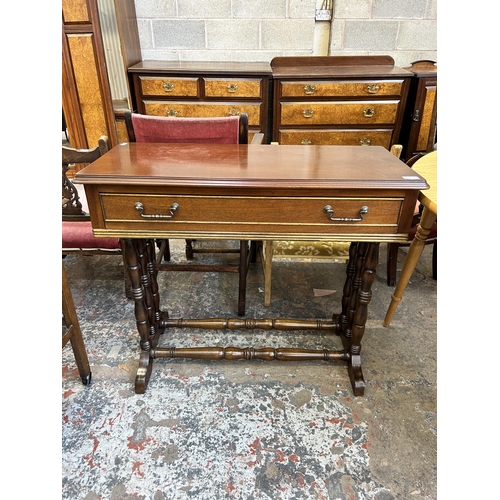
(79, 235)
(223, 130)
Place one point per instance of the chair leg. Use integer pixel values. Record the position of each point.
(243, 270)
(392, 262)
(75, 334)
(163, 250)
(189, 250)
(254, 246)
(267, 267)
(434, 261)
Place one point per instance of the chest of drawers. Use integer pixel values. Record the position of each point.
(418, 132)
(350, 101)
(204, 89)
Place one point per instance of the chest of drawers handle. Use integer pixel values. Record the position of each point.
(140, 208)
(168, 86)
(306, 142)
(232, 88)
(308, 113)
(171, 112)
(329, 210)
(365, 141)
(309, 89)
(233, 112)
(368, 112)
(373, 88)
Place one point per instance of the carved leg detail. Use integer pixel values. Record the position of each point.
(346, 293)
(366, 260)
(139, 258)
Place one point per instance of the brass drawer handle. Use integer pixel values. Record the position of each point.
(232, 88)
(171, 112)
(365, 141)
(306, 142)
(368, 112)
(168, 87)
(233, 112)
(329, 210)
(373, 88)
(308, 113)
(173, 208)
(309, 89)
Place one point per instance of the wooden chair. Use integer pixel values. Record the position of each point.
(393, 248)
(77, 236)
(220, 130)
(71, 331)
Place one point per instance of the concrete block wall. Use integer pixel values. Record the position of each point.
(258, 30)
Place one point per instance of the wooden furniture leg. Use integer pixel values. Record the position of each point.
(72, 332)
(350, 325)
(267, 262)
(242, 277)
(416, 248)
(360, 274)
(139, 257)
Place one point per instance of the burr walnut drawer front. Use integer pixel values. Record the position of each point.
(339, 113)
(236, 214)
(169, 86)
(233, 88)
(363, 137)
(204, 109)
(363, 89)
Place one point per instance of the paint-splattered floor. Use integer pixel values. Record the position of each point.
(250, 430)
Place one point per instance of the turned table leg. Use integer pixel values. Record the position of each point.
(139, 257)
(360, 274)
(417, 246)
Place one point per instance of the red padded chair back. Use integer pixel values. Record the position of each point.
(198, 130)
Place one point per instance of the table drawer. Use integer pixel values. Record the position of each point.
(169, 87)
(254, 214)
(343, 89)
(205, 109)
(339, 113)
(367, 137)
(233, 88)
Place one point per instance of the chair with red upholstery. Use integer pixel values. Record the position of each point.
(77, 236)
(219, 130)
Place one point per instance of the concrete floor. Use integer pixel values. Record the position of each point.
(251, 430)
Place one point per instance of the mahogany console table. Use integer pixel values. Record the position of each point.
(142, 191)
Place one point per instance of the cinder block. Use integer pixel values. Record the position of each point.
(145, 34)
(431, 12)
(337, 35)
(417, 35)
(397, 9)
(302, 9)
(160, 55)
(205, 9)
(150, 9)
(232, 35)
(206, 55)
(179, 34)
(287, 34)
(259, 9)
(347, 9)
(370, 35)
